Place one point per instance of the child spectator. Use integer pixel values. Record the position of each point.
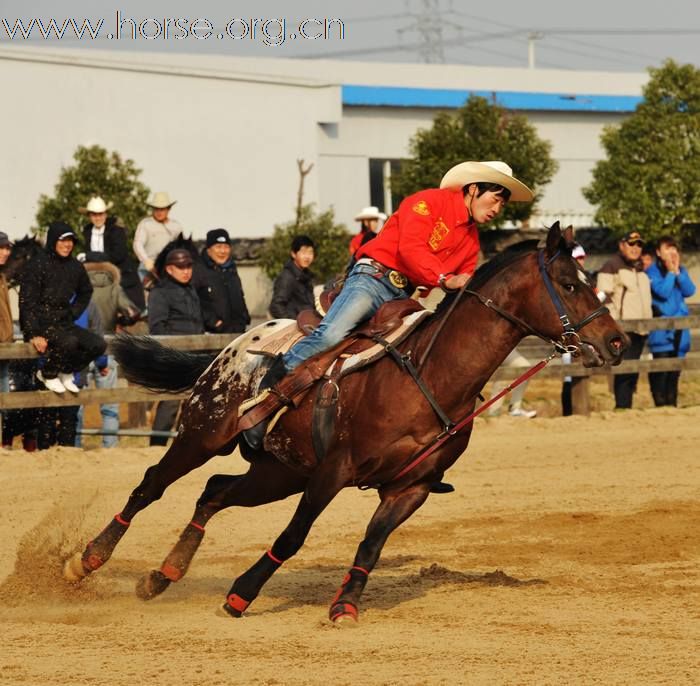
(670, 285)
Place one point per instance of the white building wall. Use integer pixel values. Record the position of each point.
(225, 149)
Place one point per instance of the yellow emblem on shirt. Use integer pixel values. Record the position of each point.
(421, 207)
(438, 234)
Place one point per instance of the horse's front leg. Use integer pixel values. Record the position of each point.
(182, 457)
(324, 484)
(394, 509)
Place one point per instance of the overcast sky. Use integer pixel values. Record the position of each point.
(611, 35)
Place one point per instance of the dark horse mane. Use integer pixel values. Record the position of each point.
(180, 243)
(489, 269)
(23, 252)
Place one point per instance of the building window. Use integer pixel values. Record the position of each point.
(380, 194)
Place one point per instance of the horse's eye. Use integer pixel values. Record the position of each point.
(569, 287)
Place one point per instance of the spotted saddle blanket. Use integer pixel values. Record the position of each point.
(393, 322)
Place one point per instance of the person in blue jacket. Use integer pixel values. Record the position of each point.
(670, 286)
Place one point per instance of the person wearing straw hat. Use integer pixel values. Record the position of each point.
(153, 233)
(432, 241)
(106, 241)
(371, 220)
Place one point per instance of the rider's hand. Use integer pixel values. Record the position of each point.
(40, 344)
(454, 283)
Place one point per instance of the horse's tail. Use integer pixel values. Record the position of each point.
(157, 367)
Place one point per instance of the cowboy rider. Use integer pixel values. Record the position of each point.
(431, 241)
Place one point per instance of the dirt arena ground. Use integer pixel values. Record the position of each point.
(569, 554)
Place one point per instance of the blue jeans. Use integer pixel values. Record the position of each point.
(109, 411)
(361, 297)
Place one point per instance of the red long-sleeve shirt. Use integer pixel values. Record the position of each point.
(430, 235)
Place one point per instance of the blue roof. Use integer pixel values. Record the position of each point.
(394, 96)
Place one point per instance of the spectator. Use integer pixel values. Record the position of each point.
(54, 294)
(224, 306)
(6, 325)
(670, 285)
(106, 241)
(293, 289)
(155, 232)
(579, 254)
(371, 220)
(112, 305)
(59, 425)
(628, 295)
(173, 308)
(18, 375)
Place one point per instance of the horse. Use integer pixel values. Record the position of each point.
(381, 419)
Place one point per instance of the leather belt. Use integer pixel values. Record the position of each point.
(396, 278)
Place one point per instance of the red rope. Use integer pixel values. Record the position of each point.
(469, 418)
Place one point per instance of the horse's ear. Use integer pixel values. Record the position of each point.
(568, 236)
(553, 239)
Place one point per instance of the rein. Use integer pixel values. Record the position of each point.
(559, 346)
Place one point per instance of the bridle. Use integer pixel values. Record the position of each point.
(569, 341)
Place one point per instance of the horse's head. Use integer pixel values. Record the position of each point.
(562, 304)
(180, 243)
(23, 252)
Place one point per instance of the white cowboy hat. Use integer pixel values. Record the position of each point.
(370, 212)
(97, 205)
(160, 200)
(464, 173)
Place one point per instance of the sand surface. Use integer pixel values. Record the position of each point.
(569, 554)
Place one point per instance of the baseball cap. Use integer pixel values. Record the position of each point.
(4, 239)
(217, 236)
(578, 251)
(633, 237)
(179, 258)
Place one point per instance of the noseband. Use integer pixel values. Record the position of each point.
(569, 341)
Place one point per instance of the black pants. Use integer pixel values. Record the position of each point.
(626, 384)
(57, 426)
(664, 385)
(70, 349)
(166, 413)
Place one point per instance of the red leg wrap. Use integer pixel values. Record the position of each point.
(237, 603)
(171, 572)
(342, 610)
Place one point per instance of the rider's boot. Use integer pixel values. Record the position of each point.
(254, 436)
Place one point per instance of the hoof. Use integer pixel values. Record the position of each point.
(152, 584)
(227, 611)
(73, 569)
(344, 614)
(346, 621)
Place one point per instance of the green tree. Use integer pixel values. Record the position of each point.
(331, 241)
(95, 172)
(650, 180)
(479, 130)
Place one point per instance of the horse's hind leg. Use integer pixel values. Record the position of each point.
(323, 486)
(266, 481)
(393, 510)
(181, 457)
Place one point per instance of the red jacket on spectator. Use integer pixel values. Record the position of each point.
(430, 235)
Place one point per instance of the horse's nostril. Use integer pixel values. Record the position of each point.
(616, 344)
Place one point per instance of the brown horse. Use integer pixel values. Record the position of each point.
(382, 419)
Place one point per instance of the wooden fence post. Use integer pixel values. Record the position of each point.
(580, 395)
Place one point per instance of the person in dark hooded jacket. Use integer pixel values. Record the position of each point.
(223, 304)
(53, 295)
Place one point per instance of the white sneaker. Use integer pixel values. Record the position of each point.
(69, 383)
(521, 412)
(54, 385)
